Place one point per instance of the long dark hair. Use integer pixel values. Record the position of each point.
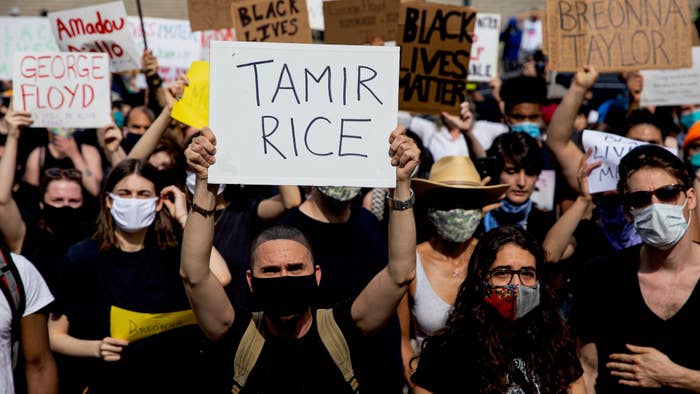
(475, 328)
(161, 232)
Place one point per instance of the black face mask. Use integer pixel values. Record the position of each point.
(130, 141)
(65, 221)
(285, 295)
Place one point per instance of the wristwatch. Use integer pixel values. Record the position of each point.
(202, 211)
(398, 205)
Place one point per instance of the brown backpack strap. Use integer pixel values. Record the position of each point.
(248, 352)
(336, 345)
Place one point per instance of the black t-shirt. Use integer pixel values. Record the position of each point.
(236, 226)
(610, 311)
(301, 365)
(350, 254)
(146, 281)
(451, 368)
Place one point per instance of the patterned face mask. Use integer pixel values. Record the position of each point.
(340, 193)
(455, 225)
(513, 301)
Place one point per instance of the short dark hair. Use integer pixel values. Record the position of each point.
(652, 156)
(280, 232)
(523, 89)
(518, 149)
(643, 116)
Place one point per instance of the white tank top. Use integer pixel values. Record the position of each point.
(429, 311)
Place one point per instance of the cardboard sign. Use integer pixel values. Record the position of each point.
(132, 326)
(63, 89)
(435, 42)
(23, 34)
(193, 108)
(99, 28)
(617, 35)
(360, 21)
(483, 65)
(209, 14)
(271, 20)
(673, 87)
(609, 148)
(299, 114)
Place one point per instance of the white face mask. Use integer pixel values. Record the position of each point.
(133, 214)
(191, 181)
(661, 225)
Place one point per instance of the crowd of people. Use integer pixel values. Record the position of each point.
(134, 274)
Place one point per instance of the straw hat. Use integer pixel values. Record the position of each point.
(458, 173)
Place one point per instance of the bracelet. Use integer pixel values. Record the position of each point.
(202, 211)
(399, 205)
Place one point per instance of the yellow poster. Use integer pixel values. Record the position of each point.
(193, 108)
(132, 326)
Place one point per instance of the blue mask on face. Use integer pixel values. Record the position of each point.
(529, 128)
(695, 163)
(688, 120)
(118, 118)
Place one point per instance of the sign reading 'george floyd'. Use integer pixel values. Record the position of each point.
(359, 21)
(302, 114)
(271, 20)
(618, 35)
(63, 89)
(435, 42)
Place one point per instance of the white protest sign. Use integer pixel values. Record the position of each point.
(543, 196)
(672, 87)
(171, 41)
(483, 62)
(303, 114)
(315, 8)
(98, 28)
(608, 148)
(23, 34)
(63, 89)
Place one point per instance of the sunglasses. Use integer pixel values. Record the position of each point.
(641, 199)
(61, 173)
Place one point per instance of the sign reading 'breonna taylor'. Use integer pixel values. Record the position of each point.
(303, 114)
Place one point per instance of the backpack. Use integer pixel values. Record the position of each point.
(253, 341)
(13, 289)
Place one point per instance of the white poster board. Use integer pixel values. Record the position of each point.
(315, 8)
(483, 63)
(608, 148)
(303, 114)
(63, 89)
(672, 87)
(171, 41)
(98, 28)
(23, 34)
(546, 185)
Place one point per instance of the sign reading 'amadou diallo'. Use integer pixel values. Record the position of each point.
(101, 28)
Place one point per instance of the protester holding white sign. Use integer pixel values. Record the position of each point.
(99, 28)
(303, 114)
(63, 89)
(608, 148)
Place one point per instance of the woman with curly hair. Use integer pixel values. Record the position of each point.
(505, 334)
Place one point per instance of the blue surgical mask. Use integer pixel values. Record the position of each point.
(688, 120)
(661, 225)
(529, 128)
(118, 117)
